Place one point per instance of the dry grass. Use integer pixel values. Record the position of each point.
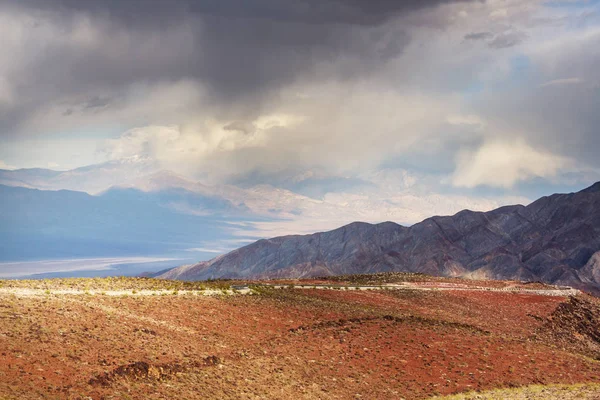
(279, 344)
(398, 277)
(534, 392)
(114, 284)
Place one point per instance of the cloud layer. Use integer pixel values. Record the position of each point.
(504, 164)
(469, 96)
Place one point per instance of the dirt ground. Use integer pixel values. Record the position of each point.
(313, 344)
(533, 392)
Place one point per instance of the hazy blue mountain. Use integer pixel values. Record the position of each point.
(92, 179)
(37, 224)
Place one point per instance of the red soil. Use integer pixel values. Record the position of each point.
(286, 344)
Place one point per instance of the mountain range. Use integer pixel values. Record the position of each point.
(128, 207)
(131, 206)
(92, 179)
(555, 239)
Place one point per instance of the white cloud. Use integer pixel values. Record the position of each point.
(417, 108)
(339, 209)
(503, 164)
(207, 250)
(316, 130)
(201, 145)
(44, 153)
(146, 141)
(4, 165)
(561, 82)
(469, 120)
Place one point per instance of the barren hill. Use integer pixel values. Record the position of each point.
(80, 339)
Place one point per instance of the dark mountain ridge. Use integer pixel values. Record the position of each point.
(555, 239)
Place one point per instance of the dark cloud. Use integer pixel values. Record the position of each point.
(250, 57)
(241, 50)
(305, 11)
(96, 102)
(239, 126)
(498, 41)
(479, 36)
(507, 39)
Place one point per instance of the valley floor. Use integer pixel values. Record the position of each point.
(288, 343)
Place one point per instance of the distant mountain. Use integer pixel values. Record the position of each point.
(144, 175)
(91, 179)
(294, 201)
(556, 239)
(37, 224)
(129, 212)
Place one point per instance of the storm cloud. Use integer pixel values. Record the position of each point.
(228, 89)
(356, 12)
(239, 51)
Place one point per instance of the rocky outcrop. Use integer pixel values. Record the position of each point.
(575, 324)
(590, 273)
(555, 239)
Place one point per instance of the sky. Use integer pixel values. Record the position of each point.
(436, 105)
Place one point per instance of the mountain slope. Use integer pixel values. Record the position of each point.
(553, 240)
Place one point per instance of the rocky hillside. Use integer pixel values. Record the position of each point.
(556, 239)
